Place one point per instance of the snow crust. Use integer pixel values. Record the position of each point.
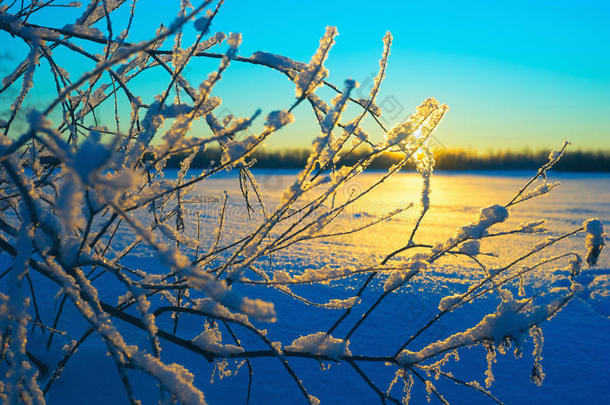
(594, 240)
(211, 340)
(510, 320)
(320, 343)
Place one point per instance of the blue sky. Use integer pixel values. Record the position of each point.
(518, 74)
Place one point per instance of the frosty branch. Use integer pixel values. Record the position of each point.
(81, 194)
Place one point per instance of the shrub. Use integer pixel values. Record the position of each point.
(79, 198)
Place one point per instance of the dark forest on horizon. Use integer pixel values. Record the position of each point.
(446, 159)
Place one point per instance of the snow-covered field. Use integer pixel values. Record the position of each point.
(576, 355)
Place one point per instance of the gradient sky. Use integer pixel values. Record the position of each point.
(516, 74)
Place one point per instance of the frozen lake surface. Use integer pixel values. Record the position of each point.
(576, 355)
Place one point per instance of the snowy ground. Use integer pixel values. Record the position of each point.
(576, 352)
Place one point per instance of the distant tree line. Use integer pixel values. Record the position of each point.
(446, 159)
